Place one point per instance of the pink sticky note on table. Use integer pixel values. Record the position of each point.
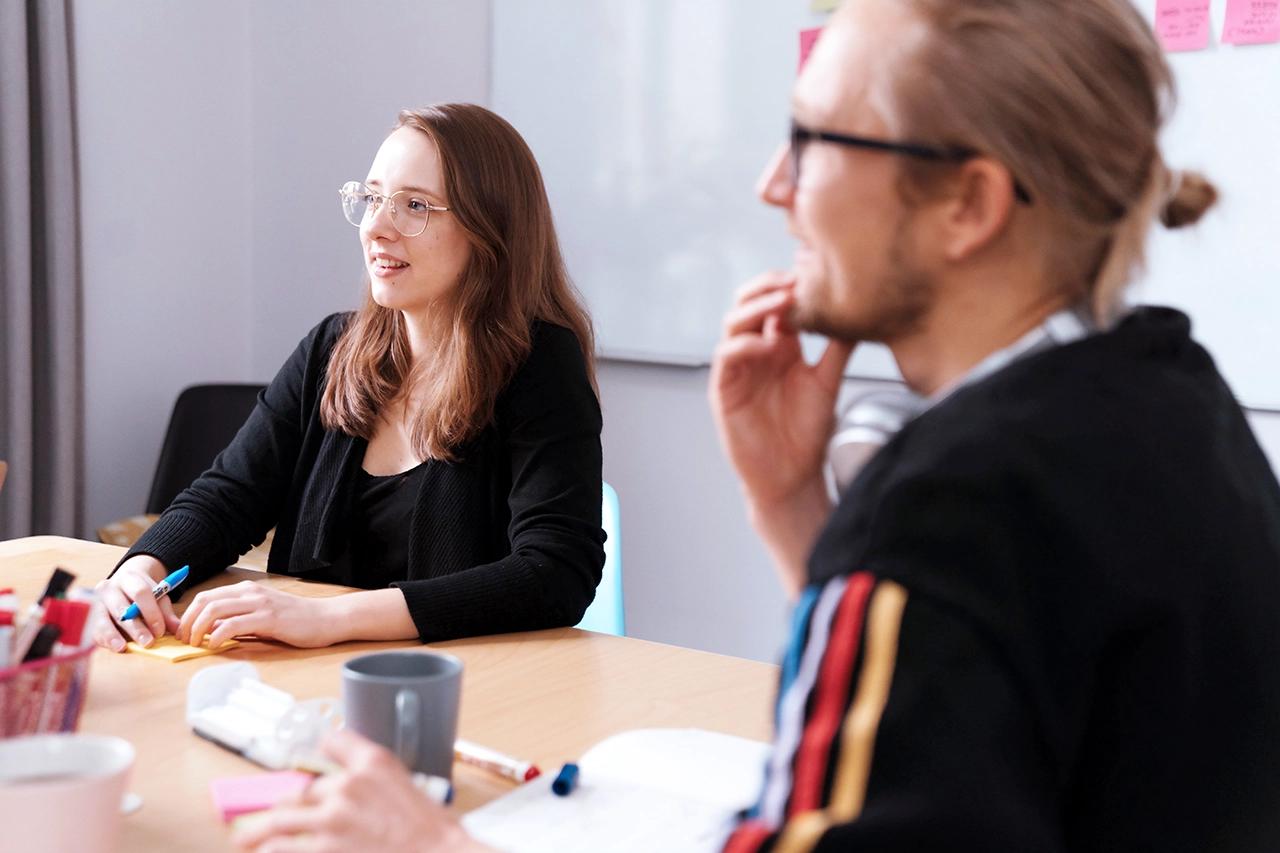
(237, 795)
(1183, 24)
(807, 40)
(1252, 22)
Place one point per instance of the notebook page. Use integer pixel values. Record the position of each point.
(643, 790)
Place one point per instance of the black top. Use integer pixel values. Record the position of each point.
(507, 538)
(377, 553)
(1065, 579)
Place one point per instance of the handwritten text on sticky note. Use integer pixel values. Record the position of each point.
(1252, 22)
(1183, 24)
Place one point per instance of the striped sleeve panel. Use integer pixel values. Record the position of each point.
(835, 687)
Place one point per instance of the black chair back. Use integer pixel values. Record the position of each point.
(205, 418)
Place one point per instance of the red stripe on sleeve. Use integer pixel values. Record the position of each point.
(747, 838)
(814, 753)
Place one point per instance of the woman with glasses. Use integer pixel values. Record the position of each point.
(438, 448)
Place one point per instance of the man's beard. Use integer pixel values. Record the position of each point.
(897, 306)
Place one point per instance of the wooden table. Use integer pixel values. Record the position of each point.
(545, 696)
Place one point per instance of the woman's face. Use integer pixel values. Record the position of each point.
(412, 274)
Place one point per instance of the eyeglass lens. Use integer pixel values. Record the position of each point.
(409, 213)
(795, 153)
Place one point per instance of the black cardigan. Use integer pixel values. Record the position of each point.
(1088, 658)
(507, 538)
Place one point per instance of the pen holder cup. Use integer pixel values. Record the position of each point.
(44, 696)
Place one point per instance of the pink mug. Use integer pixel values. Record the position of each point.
(63, 791)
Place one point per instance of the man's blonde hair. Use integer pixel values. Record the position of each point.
(1070, 96)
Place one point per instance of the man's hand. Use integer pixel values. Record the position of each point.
(372, 805)
(775, 414)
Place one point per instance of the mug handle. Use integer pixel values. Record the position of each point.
(407, 727)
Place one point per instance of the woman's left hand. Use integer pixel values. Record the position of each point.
(371, 805)
(254, 608)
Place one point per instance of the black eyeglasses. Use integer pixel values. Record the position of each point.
(801, 136)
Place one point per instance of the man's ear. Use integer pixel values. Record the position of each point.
(978, 208)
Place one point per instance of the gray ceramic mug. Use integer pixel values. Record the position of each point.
(408, 702)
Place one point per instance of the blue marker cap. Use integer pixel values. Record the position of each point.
(566, 780)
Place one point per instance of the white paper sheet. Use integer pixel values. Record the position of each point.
(645, 790)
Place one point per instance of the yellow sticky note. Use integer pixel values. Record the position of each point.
(824, 5)
(172, 650)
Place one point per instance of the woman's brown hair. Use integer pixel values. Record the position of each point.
(1070, 96)
(514, 277)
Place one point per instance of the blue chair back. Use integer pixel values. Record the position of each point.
(605, 614)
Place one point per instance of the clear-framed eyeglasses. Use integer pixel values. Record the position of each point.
(409, 210)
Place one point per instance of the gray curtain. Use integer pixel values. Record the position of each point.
(41, 374)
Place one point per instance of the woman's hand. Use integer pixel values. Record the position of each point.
(372, 805)
(220, 614)
(131, 583)
(775, 414)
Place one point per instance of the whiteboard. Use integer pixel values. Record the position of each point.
(1225, 272)
(652, 120)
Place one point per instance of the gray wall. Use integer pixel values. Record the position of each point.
(213, 137)
(694, 573)
(326, 91)
(166, 197)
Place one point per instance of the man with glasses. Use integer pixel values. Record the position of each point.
(1042, 616)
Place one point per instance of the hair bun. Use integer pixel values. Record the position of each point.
(1190, 197)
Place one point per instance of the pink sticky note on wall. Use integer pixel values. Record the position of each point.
(807, 40)
(1183, 24)
(237, 795)
(1252, 22)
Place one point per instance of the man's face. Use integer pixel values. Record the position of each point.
(857, 277)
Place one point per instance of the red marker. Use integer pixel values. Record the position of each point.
(495, 762)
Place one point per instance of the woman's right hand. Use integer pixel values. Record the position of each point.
(131, 583)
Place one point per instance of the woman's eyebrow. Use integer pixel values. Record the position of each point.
(377, 183)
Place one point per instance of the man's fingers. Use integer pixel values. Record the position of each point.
(764, 283)
(740, 366)
(351, 750)
(298, 844)
(282, 820)
(750, 316)
(830, 368)
(737, 354)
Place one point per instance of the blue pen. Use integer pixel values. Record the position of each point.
(162, 588)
